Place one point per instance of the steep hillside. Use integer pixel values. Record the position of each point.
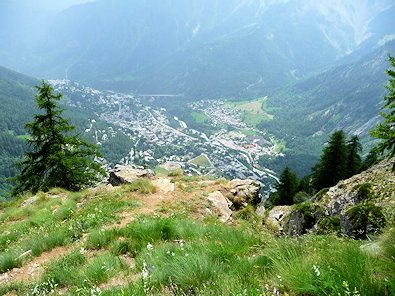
(16, 100)
(345, 97)
(196, 48)
(162, 236)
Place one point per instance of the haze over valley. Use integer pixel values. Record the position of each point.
(223, 88)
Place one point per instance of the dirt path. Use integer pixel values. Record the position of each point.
(32, 270)
(150, 202)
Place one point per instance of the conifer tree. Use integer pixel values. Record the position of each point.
(332, 166)
(386, 130)
(354, 160)
(286, 187)
(55, 158)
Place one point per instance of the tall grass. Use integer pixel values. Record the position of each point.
(141, 186)
(320, 265)
(103, 267)
(65, 271)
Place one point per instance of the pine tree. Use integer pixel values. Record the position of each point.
(332, 166)
(286, 187)
(354, 160)
(386, 130)
(55, 158)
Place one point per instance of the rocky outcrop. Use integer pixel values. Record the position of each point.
(126, 174)
(378, 180)
(243, 192)
(354, 207)
(237, 195)
(222, 204)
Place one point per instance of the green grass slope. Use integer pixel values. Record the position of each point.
(133, 241)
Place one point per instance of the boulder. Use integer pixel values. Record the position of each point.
(222, 204)
(244, 192)
(126, 174)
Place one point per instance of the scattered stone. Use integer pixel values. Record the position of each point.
(221, 203)
(30, 201)
(164, 185)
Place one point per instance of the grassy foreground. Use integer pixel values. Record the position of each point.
(83, 247)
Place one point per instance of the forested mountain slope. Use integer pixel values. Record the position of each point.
(16, 100)
(345, 97)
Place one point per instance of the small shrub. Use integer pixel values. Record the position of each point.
(364, 191)
(307, 210)
(42, 196)
(320, 194)
(66, 211)
(57, 191)
(329, 225)
(141, 186)
(300, 197)
(363, 219)
(247, 214)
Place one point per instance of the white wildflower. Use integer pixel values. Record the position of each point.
(145, 271)
(149, 247)
(316, 270)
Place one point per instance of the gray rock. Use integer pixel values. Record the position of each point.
(126, 174)
(244, 192)
(222, 204)
(296, 224)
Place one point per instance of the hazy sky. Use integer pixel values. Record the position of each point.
(58, 4)
(52, 5)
